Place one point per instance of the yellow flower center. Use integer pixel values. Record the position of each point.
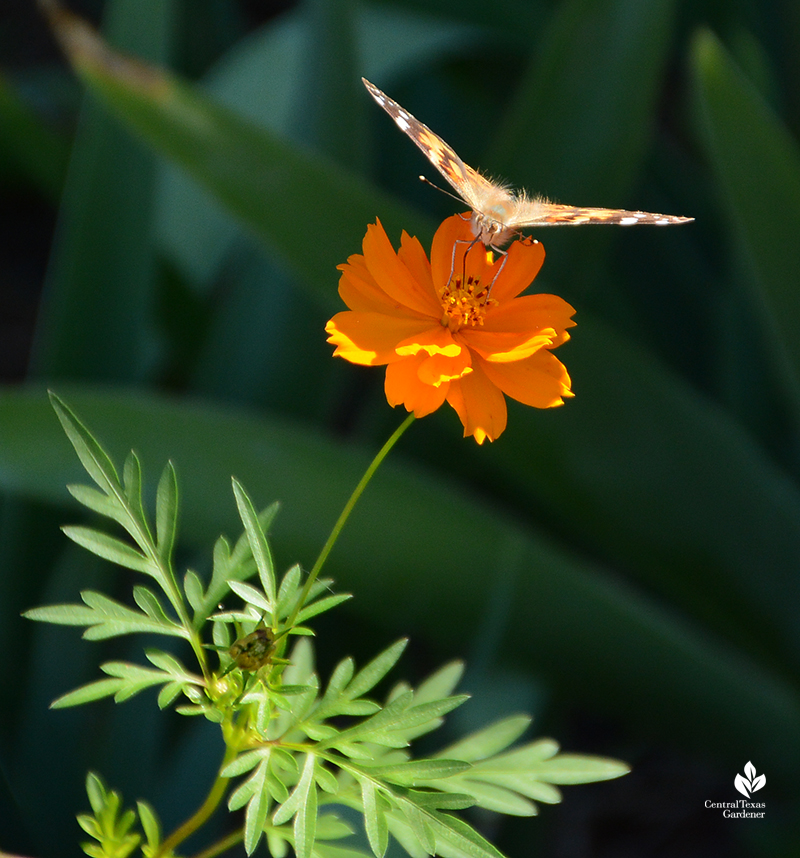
(465, 301)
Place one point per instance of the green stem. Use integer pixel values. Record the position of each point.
(205, 810)
(222, 845)
(345, 514)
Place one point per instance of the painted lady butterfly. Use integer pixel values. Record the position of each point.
(497, 212)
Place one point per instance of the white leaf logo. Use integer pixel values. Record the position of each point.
(750, 782)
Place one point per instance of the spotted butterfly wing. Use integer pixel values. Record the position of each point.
(498, 212)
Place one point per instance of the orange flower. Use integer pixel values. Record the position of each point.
(453, 329)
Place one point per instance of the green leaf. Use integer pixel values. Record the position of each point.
(488, 741)
(374, 817)
(193, 589)
(148, 601)
(132, 486)
(305, 820)
(370, 675)
(252, 595)
(258, 542)
(389, 726)
(134, 678)
(322, 605)
(416, 772)
(579, 769)
(150, 824)
(442, 683)
(299, 794)
(96, 500)
(505, 782)
(109, 548)
(167, 512)
(253, 792)
(92, 456)
(87, 693)
(104, 617)
(455, 832)
(243, 763)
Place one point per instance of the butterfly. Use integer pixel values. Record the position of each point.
(498, 213)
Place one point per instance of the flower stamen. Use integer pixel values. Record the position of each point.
(465, 300)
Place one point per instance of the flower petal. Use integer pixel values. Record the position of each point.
(435, 340)
(530, 313)
(540, 380)
(517, 269)
(370, 339)
(358, 289)
(503, 346)
(479, 404)
(437, 369)
(413, 256)
(393, 277)
(404, 387)
(449, 245)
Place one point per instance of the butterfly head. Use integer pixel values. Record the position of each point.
(490, 231)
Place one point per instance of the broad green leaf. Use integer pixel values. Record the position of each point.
(756, 162)
(96, 321)
(268, 183)
(740, 508)
(28, 145)
(579, 125)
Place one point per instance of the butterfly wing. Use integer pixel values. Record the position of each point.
(540, 212)
(497, 212)
(469, 184)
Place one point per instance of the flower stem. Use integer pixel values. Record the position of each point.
(345, 514)
(221, 846)
(205, 810)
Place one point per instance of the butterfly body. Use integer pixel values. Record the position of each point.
(499, 213)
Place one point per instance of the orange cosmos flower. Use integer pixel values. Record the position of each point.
(453, 329)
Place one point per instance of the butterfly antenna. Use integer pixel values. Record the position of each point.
(441, 190)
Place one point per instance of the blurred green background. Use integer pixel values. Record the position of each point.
(624, 567)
